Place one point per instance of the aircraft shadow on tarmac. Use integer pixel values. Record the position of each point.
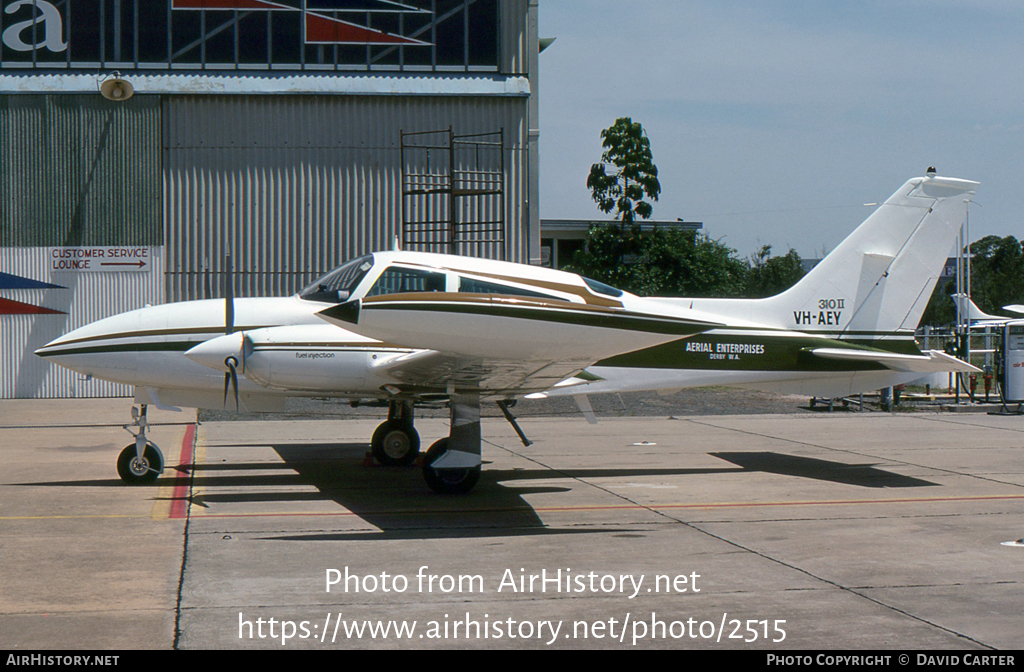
(397, 504)
(395, 500)
(863, 475)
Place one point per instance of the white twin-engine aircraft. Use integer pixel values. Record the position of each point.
(405, 327)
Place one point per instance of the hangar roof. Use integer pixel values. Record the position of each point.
(351, 84)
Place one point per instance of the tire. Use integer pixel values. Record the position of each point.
(135, 472)
(395, 444)
(447, 481)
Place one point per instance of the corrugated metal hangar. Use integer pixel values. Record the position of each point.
(143, 142)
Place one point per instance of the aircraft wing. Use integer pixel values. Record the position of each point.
(931, 361)
(430, 371)
(1015, 308)
(502, 344)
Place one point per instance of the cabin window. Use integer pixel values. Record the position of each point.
(474, 286)
(397, 280)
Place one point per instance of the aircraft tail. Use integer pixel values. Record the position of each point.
(970, 310)
(878, 281)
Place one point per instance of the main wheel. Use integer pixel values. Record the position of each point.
(395, 443)
(447, 481)
(135, 471)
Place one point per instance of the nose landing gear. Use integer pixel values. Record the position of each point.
(142, 461)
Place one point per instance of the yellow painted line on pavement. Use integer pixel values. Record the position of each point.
(617, 507)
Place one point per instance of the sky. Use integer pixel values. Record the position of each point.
(775, 122)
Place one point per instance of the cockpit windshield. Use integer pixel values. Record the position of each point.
(338, 285)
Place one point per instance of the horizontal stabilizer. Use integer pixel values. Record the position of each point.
(931, 361)
(1015, 308)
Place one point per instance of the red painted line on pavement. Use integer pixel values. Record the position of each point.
(179, 498)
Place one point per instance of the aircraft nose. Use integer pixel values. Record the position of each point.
(214, 352)
(54, 347)
(49, 348)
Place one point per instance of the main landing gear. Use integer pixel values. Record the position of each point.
(450, 466)
(140, 462)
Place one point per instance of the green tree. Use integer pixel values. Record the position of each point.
(603, 255)
(664, 263)
(626, 176)
(997, 279)
(687, 263)
(997, 273)
(941, 311)
(772, 275)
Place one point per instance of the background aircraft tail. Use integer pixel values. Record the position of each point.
(879, 280)
(969, 309)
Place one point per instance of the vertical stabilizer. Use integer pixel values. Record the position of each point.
(879, 280)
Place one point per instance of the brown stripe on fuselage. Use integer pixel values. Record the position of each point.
(182, 331)
(492, 299)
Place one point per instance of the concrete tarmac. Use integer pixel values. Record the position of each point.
(789, 532)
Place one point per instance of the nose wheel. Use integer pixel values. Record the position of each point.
(135, 470)
(140, 462)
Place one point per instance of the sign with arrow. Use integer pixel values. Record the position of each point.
(99, 259)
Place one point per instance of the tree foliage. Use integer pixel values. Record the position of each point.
(997, 272)
(603, 254)
(686, 263)
(626, 176)
(997, 280)
(665, 262)
(682, 263)
(771, 275)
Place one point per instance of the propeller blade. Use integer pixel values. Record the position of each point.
(229, 296)
(231, 377)
(234, 384)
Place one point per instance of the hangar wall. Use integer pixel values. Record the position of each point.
(80, 170)
(77, 173)
(323, 186)
(247, 135)
(63, 300)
